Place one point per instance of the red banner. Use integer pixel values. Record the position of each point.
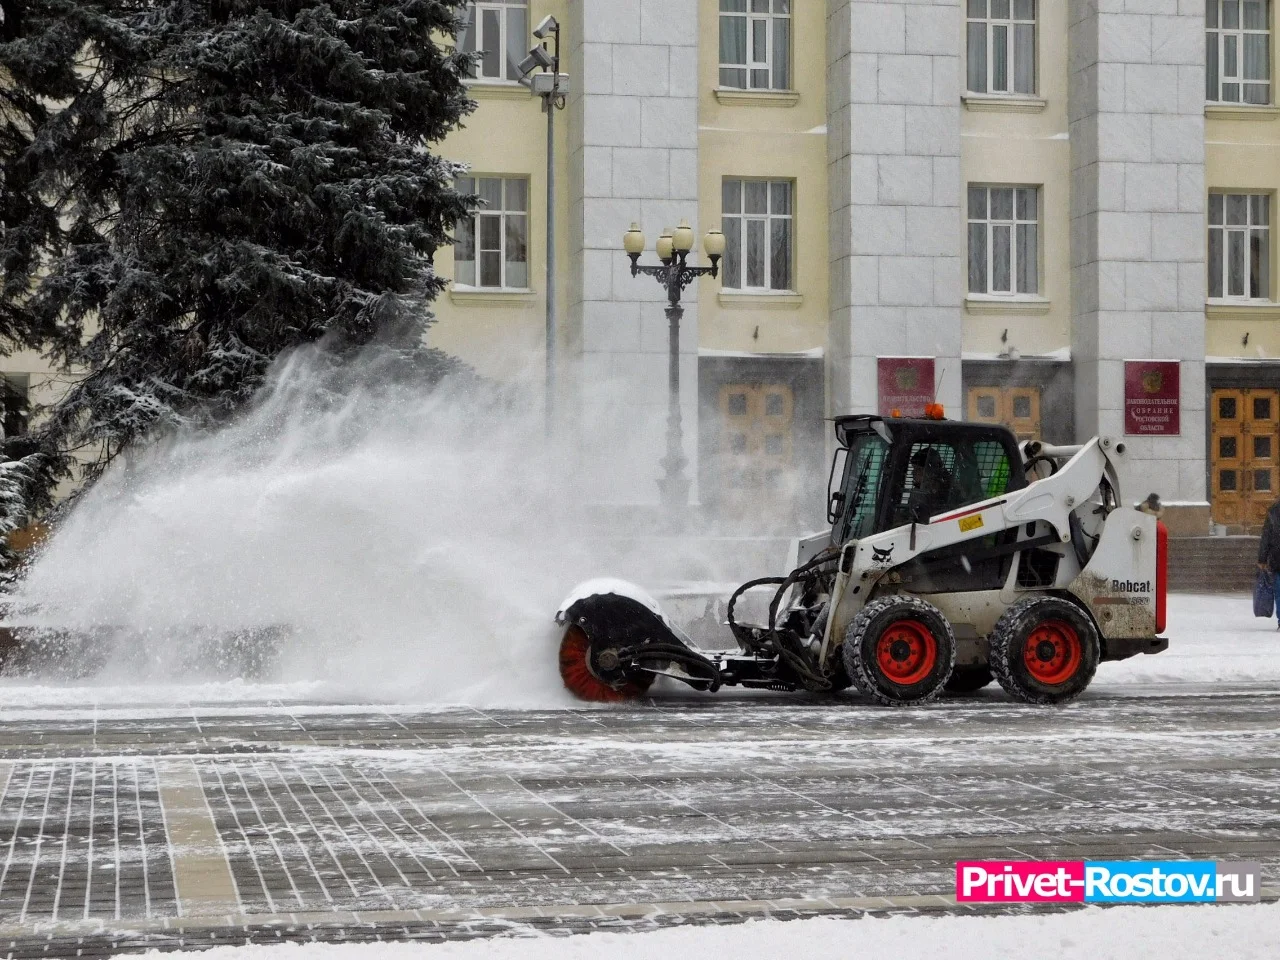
(905, 385)
(1151, 398)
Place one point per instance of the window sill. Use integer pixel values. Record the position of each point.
(981, 305)
(490, 296)
(497, 90)
(989, 103)
(732, 96)
(1241, 111)
(1242, 310)
(760, 300)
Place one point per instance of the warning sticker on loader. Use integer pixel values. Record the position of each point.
(970, 523)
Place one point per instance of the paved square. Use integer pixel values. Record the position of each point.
(155, 830)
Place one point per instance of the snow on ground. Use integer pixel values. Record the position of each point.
(1124, 933)
(1213, 639)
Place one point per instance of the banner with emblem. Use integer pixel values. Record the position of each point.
(905, 384)
(1151, 398)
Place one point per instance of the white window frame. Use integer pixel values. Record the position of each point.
(768, 218)
(998, 21)
(1223, 42)
(505, 215)
(1257, 217)
(989, 224)
(767, 16)
(508, 55)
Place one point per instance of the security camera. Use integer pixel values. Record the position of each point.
(546, 27)
(527, 65)
(538, 57)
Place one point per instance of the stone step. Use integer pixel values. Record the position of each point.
(1212, 564)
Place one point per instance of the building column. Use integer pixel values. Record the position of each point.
(896, 248)
(1138, 227)
(633, 156)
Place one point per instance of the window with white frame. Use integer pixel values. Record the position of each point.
(1004, 240)
(498, 30)
(491, 247)
(755, 44)
(1237, 51)
(758, 234)
(1240, 246)
(1001, 46)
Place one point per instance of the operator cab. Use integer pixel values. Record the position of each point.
(889, 472)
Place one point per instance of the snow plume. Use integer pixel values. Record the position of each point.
(353, 533)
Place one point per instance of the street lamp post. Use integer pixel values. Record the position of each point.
(552, 86)
(674, 274)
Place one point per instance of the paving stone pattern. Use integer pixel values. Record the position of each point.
(84, 840)
(358, 822)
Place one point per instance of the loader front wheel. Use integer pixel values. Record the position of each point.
(900, 650)
(1044, 650)
(586, 672)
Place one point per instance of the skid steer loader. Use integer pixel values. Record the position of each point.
(956, 554)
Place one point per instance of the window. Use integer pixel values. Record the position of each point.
(499, 30)
(1240, 246)
(1002, 46)
(15, 387)
(491, 247)
(1237, 51)
(941, 476)
(757, 234)
(861, 487)
(755, 44)
(1004, 240)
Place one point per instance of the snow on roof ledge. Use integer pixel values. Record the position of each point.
(1059, 355)
(817, 353)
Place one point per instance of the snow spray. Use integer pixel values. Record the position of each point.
(363, 539)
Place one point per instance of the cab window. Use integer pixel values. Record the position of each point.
(945, 475)
(863, 472)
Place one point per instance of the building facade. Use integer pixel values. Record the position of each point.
(1050, 213)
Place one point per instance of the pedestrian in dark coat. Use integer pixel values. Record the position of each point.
(1269, 546)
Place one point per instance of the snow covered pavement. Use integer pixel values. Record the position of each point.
(140, 817)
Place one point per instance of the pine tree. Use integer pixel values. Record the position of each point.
(193, 187)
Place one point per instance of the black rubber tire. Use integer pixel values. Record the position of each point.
(1008, 644)
(863, 636)
(969, 678)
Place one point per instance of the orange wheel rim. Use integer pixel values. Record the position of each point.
(1053, 653)
(575, 671)
(906, 652)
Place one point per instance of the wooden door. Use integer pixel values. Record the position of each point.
(1017, 408)
(757, 442)
(1243, 456)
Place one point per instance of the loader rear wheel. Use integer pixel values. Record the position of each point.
(586, 672)
(1044, 650)
(969, 678)
(900, 650)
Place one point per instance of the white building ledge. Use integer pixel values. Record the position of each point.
(998, 103)
(983, 305)
(1242, 310)
(490, 296)
(1241, 111)
(760, 300)
(497, 90)
(732, 96)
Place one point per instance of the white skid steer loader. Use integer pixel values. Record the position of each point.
(956, 554)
